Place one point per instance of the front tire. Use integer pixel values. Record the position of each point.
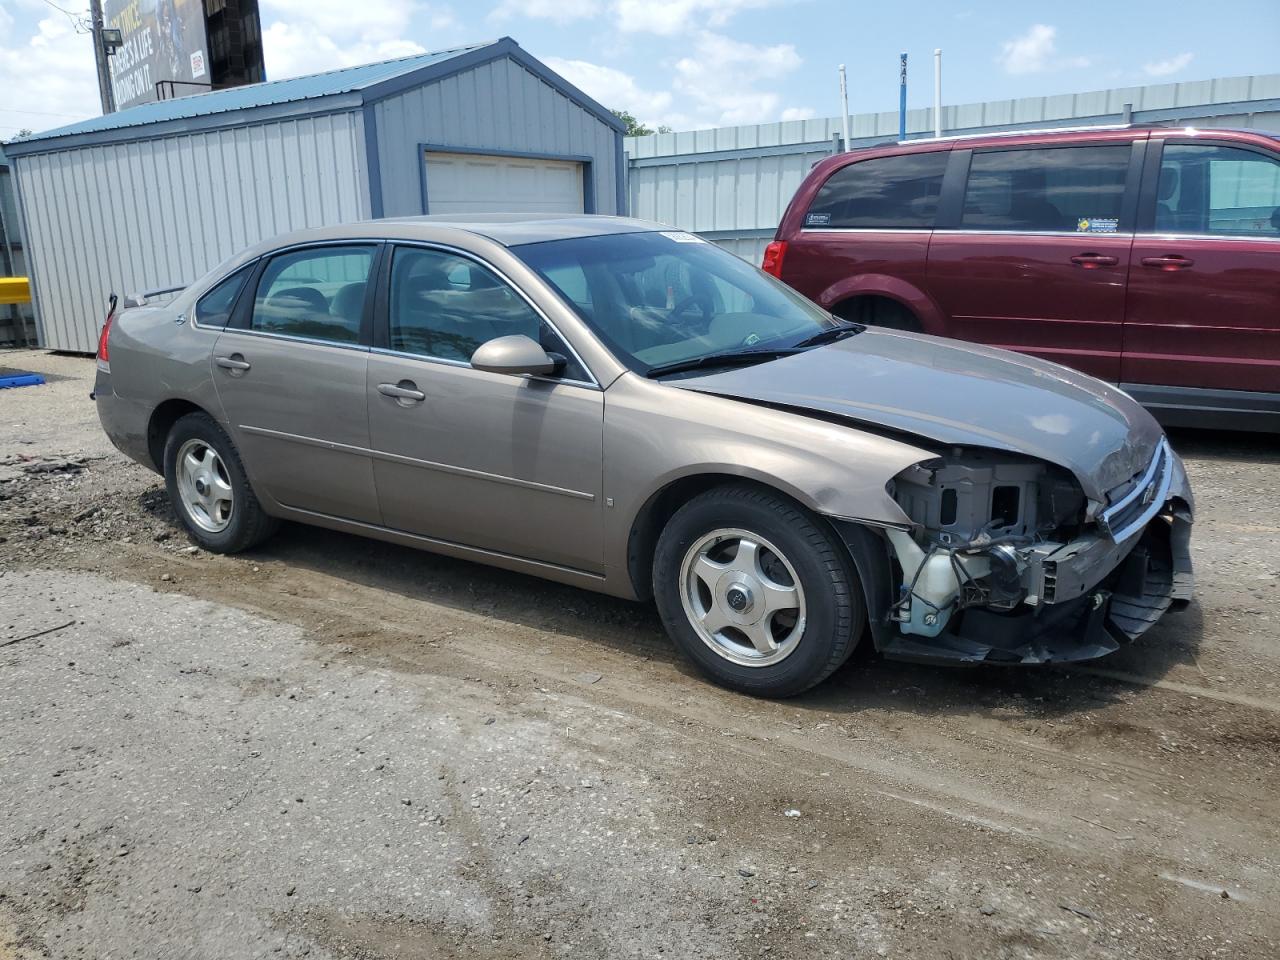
(209, 489)
(757, 591)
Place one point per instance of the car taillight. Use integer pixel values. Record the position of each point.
(773, 254)
(104, 356)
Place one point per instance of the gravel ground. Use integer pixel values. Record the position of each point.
(332, 747)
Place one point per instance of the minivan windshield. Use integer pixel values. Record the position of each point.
(666, 301)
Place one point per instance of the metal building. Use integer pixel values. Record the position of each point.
(732, 184)
(158, 194)
(17, 325)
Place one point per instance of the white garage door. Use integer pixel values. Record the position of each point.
(476, 183)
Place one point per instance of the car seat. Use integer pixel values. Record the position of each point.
(302, 312)
(348, 306)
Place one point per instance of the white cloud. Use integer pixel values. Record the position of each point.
(613, 88)
(48, 78)
(559, 11)
(1036, 51)
(798, 113)
(309, 36)
(719, 79)
(1163, 68)
(668, 17)
(292, 50)
(376, 19)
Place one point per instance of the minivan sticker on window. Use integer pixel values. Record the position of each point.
(1097, 225)
(679, 236)
(817, 220)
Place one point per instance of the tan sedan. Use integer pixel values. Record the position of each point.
(616, 405)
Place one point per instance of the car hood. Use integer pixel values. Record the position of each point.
(958, 394)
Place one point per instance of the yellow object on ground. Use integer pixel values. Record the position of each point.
(14, 290)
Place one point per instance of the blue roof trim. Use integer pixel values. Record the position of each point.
(350, 88)
(227, 107)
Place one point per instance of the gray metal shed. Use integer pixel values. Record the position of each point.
(158, 194)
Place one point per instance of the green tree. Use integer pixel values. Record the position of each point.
(635, 128)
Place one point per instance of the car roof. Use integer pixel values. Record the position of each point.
(1066, 134)
(469, 231)
(513, 229)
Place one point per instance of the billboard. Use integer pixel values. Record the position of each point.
(164, 40)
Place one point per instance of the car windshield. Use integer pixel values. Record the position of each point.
(668, 299)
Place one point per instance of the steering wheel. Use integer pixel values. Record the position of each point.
(700, 301)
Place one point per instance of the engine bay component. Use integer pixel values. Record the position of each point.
(1006, 559)
(981, 491)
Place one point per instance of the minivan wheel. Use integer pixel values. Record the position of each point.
(756, 591)
(880, 312)
(208, 488)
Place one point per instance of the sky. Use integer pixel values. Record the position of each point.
(692, 64)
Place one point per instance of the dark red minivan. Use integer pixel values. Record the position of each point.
(1149, 257)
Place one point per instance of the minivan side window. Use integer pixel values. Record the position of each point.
(316, 293)
(1207, 189)
(1057, 189)
(887, 192)
(214, 308)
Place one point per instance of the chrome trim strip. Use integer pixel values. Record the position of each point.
(1162, 462)
(961, 232)
(1075, 234)
(358, 347)
(1162, 237)
(451, 544)
(925, 230)
(415, 462)
(463, 364)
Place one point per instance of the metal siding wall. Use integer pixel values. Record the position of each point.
(134, 216)
(725, 198)
(497, 106)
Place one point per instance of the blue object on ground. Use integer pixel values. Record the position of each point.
(21, 380)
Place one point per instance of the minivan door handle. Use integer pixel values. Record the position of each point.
(1092, 261)
(404, 390)
(233, 362)
(1169, 262)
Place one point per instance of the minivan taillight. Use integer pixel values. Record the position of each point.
(104, 357)
(773, 254)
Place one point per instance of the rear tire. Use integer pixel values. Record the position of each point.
(756, 591)
(209, 489)
(880, 312)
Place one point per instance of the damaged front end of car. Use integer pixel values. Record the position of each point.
(1006, 560)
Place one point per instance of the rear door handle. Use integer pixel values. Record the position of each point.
(404, 390)
(233, 362)
(1092, 261)
(1169, 262)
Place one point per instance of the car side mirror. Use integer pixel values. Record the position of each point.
(515, 355)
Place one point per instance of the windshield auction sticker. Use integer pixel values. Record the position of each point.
(679, 236)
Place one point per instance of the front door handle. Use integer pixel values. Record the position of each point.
(1092, 261)
(404, 390)
(1169, 262)
(233, 362)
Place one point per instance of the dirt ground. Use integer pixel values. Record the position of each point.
(332, 747)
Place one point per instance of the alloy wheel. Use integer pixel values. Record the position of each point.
(742, 597)
(205, 486)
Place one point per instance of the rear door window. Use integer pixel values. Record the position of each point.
(1047, 190)
(1217, 190)
(887, 193)
(317, 293)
